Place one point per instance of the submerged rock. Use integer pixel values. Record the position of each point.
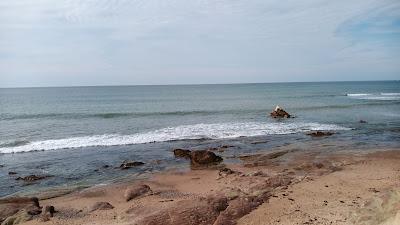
(127, 165)
(12, 173)
(182, 153)
(204, 157)
(363, 121)
(320, 134)
(32, 178)
(135, 192)
(280, 113)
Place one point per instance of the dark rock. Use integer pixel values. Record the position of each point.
(12, 173)
(105, 166)
(279, 113)
(127, 165)
(204, 157)
(182, 153)
(49, 210)
(320, 134)
(31, 178)
(225, 171)
(135, 192)
(1, 166)
(101, 206)
(363, 121)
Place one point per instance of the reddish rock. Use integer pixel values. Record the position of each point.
(204, 157)
(135, 192)
(279, 113)
(182, 153)
(188, 212)
(11, 206)
(101, 206)
(237, 208)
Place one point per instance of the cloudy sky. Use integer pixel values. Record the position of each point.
(112, 42)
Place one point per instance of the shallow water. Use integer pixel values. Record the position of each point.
(72, 132)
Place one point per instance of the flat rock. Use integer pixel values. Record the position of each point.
(130, 164)
(320, 134)
(134, 192)
(11, 206)
(188, 212)
(237, 208)
(101, 206)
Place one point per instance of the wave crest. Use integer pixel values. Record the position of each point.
(186, 132)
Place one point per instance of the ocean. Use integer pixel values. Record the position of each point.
(70, 133)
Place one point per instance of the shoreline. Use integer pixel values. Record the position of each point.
(279, 187)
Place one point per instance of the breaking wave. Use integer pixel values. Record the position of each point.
(186, 132)
(376, 96)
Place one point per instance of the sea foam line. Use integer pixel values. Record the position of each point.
(185, 132)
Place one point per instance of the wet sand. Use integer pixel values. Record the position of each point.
(282, 187)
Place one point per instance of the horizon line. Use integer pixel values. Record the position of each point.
(197, 84)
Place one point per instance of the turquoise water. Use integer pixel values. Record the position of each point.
(69, 132)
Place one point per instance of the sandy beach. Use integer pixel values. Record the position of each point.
(279, 187)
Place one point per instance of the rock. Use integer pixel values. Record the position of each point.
(31, 178)
(363, 121)
(204, 157)
(278, 181)
(20, 217)
(202, 211)
(1, 166)
(12, 173)
(280, 113)
(237, 208)
(127, 165)
(135, 192)
(225, 172)
(320, 134)
(182, 153)
(11, 206)
(101, 206)
(49, 210)
(105, 166)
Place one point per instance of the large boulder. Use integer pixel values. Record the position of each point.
(280, 113)
(137, 191)
(204, 157)
(182, 153)
(12, 206)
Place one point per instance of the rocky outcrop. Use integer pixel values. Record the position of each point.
(279, 113)
(134, 192)
(182, 153)
(204, 157)
(18, 209)
(203, 211)
(237, 208)
(101, 206)
(320, 134)
(130, 164)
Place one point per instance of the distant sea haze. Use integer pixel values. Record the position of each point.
(70, 132)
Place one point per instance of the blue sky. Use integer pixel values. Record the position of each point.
(113, 42)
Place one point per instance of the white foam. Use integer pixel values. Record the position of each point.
(356, 95)
(197, 131)
(380, 96)
(391, 94)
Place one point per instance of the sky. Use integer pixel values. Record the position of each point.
(129, 42)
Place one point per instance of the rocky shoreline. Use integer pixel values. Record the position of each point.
(277, 187)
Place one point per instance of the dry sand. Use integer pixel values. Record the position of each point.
(286, 187)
